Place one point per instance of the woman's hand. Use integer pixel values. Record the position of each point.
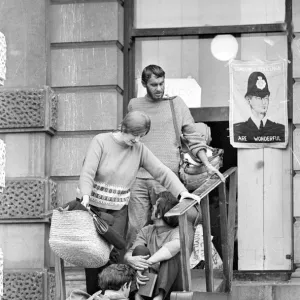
(138, 262)
(184, 195)
(85, 200)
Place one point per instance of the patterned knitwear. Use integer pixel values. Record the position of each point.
(161, 139)
(110, 168)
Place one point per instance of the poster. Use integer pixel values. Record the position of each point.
(258, 104)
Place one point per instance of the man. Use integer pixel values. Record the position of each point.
(258, 128)
(161, 140)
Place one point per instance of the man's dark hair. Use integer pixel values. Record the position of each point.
(115, 276)
(166, 201)
(152, 69)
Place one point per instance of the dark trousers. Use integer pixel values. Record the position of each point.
(169, 277)
(116, 256)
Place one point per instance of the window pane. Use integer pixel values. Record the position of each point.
(190, 56)
(188, 13)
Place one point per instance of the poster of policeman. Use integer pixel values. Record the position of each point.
(258, 104)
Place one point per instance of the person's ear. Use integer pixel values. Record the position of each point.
(144, 84)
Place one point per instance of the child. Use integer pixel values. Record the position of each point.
(114, 282)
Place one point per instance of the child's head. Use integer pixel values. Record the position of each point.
(117, 277)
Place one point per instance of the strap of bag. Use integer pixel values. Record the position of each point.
(176, 127)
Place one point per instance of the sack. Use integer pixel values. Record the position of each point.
(192, 171)
(74, 238)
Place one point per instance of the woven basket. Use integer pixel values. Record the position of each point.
(73, 237)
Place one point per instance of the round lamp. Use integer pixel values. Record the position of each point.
(224, 47)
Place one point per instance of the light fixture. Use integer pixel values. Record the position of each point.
(224, 47)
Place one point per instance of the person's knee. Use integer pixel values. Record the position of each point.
(141, 250)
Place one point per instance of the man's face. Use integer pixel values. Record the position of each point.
(155, 87)
(259, 105)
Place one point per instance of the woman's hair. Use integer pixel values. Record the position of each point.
(164, 203)
(136, 122)
(152, 69)
(115, 276)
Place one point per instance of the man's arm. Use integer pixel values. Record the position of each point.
(195, 141)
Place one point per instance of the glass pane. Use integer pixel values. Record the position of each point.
(192, 57)
(188, 13)
(296, 15)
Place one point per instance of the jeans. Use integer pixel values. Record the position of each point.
(143, 196)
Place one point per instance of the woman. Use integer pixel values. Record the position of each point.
(109, 170)
(162, 242)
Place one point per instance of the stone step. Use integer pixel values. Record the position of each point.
(241, 290)
(198, 279)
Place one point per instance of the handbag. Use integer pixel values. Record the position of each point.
(106, 231)
(74, 238)
(192, 172)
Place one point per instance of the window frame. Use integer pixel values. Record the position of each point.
(207, 114)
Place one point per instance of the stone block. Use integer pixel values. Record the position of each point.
(85, 22)
(23, 285)
(23, 245)
(88, 110)
(28, 109)
(66, 190)
(296, 148)
(24, 26)
(27, 154)
(101, 65)
(286, 292)
(67, 154)
(252, 291)
(27, 198)
(51, 286)
(2, 60)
